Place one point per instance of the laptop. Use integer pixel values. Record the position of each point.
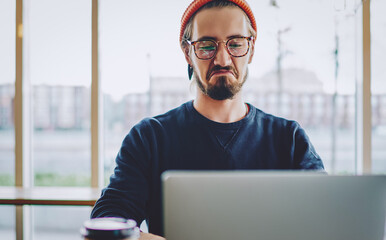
(265, 205)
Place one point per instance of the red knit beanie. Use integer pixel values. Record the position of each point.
(197, 4)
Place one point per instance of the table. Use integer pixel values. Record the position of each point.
(79, 196)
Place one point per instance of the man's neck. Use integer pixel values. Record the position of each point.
(224, 111)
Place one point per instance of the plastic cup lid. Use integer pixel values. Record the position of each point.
(110, 228)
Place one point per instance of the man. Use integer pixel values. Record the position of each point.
(215, 131)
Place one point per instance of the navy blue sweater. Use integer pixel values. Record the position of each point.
(184, 139)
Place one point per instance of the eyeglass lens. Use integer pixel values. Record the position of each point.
(206, 49)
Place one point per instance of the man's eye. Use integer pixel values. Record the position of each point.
(206, 48)
(235, 45)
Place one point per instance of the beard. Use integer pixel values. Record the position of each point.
(223, 88)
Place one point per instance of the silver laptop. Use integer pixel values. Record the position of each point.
(245, 205)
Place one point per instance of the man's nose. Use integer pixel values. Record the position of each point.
(222, 57)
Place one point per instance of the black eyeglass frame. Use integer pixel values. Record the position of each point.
(193, 43)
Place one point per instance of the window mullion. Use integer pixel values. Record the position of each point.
(366, 104)
(18, 116)
(96, 107)
(18, 105)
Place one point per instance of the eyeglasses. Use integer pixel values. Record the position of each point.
(207, 49)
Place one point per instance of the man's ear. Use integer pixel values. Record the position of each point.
(252, 50)
(186, 49)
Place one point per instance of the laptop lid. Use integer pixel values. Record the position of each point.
(265, 205)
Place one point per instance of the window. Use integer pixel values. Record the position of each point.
(143, 71)
(7, 92)
(58, 66)
(66, 225)
(7, 222)
(304, 67)
(378, 86)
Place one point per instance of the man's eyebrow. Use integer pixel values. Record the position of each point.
(206, 38)
(213, 38)
(237, 35)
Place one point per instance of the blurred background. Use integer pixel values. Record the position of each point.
(307, 63)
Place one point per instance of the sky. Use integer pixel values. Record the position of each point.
(139, 39)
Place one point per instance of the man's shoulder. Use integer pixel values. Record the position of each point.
(173, 114)
(271, 120)
(170, 118)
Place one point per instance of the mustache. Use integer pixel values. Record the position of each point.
(219, 68)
